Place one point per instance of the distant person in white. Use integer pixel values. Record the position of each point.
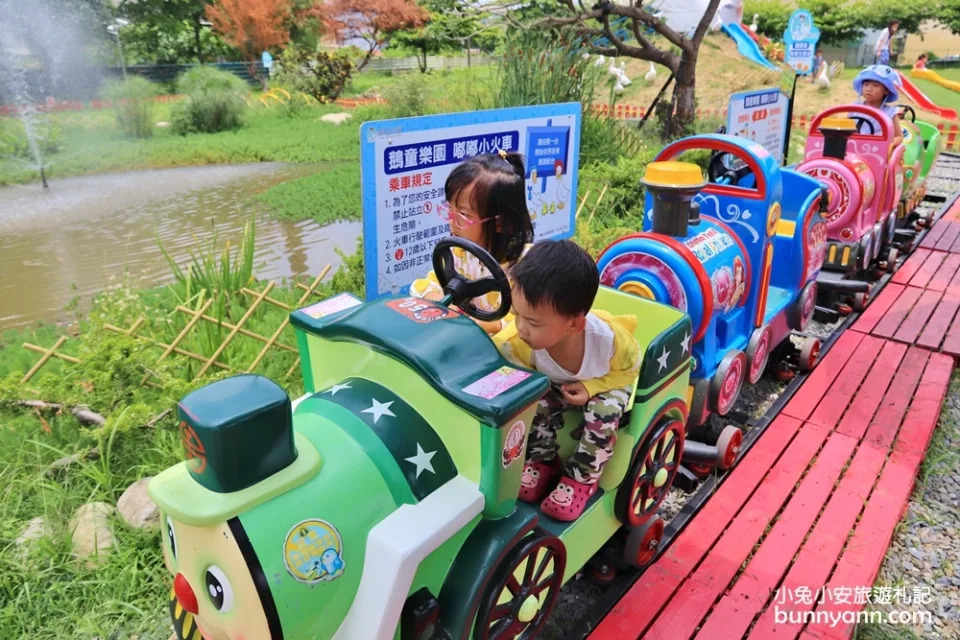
(882, 49)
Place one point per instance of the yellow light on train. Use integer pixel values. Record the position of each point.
(638, 289)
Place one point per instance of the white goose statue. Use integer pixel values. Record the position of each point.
(651, 75)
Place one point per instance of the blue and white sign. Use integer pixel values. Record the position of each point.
(405, 162)
(266, 59)
(800, 42)
(760, 116)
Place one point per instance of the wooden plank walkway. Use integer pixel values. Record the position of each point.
(921, 304)
(945, 233)
(813, 504)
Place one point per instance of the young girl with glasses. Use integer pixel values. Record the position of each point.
(486, 204)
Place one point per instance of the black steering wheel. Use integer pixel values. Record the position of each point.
(860, 120)
(903, 110)
(723, 168)
(461, 290)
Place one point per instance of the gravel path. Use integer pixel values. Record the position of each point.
(925, 552)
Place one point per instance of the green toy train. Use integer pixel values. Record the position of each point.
(383, 504)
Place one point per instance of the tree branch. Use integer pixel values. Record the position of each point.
(80, 412)
(704, 23)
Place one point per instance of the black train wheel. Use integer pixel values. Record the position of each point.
(524, 590)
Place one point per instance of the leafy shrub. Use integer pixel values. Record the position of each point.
(317, 73)
(15, 143)
(408, 98)
(772, 16)
(216, 101)
(133, 102)
(540, 67)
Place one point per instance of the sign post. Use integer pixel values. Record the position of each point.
(800, 42)
(760, 116)
(405, 162)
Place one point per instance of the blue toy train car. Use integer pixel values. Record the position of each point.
(740, 254)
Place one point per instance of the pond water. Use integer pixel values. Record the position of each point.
(84, 234)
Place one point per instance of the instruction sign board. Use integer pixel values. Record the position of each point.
(404, 163)
(800, 42)
(760, 116)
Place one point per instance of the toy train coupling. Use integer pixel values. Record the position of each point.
(846, 286)
(688, 481)
(826, 315)
(673, 186)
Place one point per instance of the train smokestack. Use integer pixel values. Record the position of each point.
(836, 132)
(673, 186)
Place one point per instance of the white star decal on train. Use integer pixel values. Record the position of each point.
(685, 343)
(422, 460)
(379, 409)
(338, 387)
(663, 360)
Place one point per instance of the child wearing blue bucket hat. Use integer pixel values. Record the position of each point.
(877, 86)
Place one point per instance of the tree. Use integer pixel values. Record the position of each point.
(949, 15)
(839, 22)
(318, 73)
(680, 58)
(373, 21)
(772, 17)
(252, 26)
(448, 27)
(169, 30)
(879, 13)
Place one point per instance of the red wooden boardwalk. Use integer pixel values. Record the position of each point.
(812, 505)
(945, 234)
(921, 305)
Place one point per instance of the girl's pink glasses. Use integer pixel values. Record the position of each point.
(458, 219)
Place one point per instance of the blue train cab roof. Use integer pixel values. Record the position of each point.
(445, 347)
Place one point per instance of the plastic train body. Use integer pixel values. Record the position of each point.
(740, 254)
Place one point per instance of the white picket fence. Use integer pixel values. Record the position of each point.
(433, 62)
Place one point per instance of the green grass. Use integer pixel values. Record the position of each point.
(327, 196)
(361, 83)
(874, 631)
(92, 145)
(46, 593)
(941, 96)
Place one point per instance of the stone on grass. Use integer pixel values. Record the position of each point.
(35, 530)
(163, 124)
(136, 508)
(336, 118)
(90, 529)
(66, 462)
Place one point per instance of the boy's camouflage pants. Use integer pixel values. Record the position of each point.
(597, 432)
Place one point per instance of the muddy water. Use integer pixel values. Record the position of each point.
(84, 234)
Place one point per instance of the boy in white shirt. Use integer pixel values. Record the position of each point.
(592, 359)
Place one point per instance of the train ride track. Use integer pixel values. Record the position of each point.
(943, 191)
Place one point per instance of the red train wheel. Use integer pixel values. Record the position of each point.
(651, 474)
(728, 447)
(809, 354)
(643, 542)
(522, 595)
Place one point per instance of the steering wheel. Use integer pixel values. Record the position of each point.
(723, 168)
(861, 120)
(461, 290)
(905, 108)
